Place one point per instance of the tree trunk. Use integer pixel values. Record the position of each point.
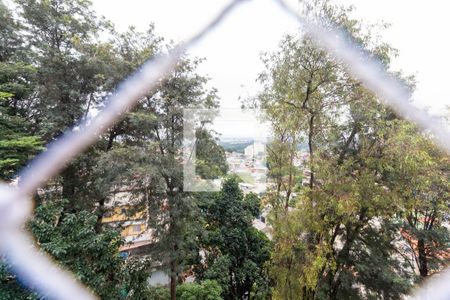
(68, 188)
(173, 247)
(311, 151)
(312, 237)
(334, 286)
(100, 212)
(423, 266)
(111, 137)
(173, 283)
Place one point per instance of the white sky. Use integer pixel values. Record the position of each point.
(232, 51)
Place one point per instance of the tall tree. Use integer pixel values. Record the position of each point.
(419, 174)
(327, 243)
(236, 252)
(71, 75)
(68, 74)
(17, 145)
(211, 160)
(148, 145)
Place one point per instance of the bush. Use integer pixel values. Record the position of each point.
(158, 293)
(206, 290)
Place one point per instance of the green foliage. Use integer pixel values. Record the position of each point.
(61, 33)
(340, 230)
(252, 204)
(10, 40)
(419, 175)
(17, 145)
(72, 240)
(54, 70)
(157, 293)
(205, 290)
(211, 161)
(236, 252)
(235, 146)
(10, 289)
(143, 152)
(15, 152)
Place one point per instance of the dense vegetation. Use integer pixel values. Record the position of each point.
(235, 146)
(370, 213)
(364, 217)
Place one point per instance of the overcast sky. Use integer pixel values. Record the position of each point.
(419, 31)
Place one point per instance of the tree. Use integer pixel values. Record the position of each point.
(236, 252)
(61, 32)
(420, 178)
(65, 76)
(10, 41)
(17, 145)
(206, 290)
(211, 161)
(10, 288)
(148, 145)
(283, 150)
(73, 242)
(70, 74)
(329, 238)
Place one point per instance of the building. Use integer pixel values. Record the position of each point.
(121, 213)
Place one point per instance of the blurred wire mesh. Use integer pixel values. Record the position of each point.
(40, 273)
